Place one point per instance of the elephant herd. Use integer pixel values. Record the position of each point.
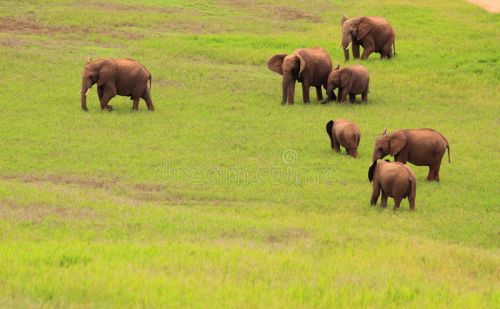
(312, 67)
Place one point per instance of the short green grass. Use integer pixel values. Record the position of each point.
(222, 197)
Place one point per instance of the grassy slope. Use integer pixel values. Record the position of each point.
(193, 204)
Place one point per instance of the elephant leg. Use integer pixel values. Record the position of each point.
(436, 171)
(135, 104)
(364, 96)
(335, 144)
(411, 200)
(375, 194)
(369, 47)
(100, 92)
(108, 94)
(384, 200)
(352, 97)
(353, 152)
(147, 97)
(305, 92)
(343, 94)
(397, 202)
(355, 50)
(319, 93)
(432, 173)
(291, 93)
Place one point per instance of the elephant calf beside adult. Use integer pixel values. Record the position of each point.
(309, 66)
(125, 77)
(375, 34)
(352, 81)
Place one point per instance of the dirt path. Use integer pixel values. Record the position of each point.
(489, 5)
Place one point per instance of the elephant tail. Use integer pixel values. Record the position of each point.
(448, 147)
(150, 78)
(394, 46)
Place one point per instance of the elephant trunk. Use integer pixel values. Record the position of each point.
(84, 92)
(376, 155)
(288, 89)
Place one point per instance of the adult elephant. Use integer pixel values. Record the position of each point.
(309, 66)
(375, 34)
(422, 147)
(125, 77)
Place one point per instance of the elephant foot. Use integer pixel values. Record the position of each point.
(109, 108)
(324, 101)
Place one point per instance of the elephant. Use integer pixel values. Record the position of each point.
(345, 133)
(352, 80)
(309, 66)
(422, 147)
(125, 77)
(375, 34)
(395, 180)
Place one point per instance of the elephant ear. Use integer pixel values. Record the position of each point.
(363, 28)
(345, 78)
(302, 64)
(396, 143)
(106, 72)
(344, 18)
(371, 171)
(275, 63)
(329, 127)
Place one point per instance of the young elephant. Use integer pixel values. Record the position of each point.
(125, 77)
(375, 34)
(344, 133)
(352, 80)
(394, 179)
(309, 66)
(422, 147)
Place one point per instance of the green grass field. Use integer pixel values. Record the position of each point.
(222, 197)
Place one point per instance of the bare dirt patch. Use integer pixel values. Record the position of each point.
(29, 24)
(489, 5)
(294, 14)
(39, 212)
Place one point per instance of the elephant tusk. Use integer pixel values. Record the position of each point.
(86, 93)
(348, 45)
(80, 92)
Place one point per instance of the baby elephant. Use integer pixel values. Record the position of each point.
(125, 77)
(344, 133)
(394, 179)
(352, 80)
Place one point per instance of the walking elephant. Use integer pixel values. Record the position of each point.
(344, 133)
(422, 147)
(125, 77)
(393, 179)
(374, 34)
(309, 66)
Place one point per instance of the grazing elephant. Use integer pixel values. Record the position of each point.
(113, 77)
(375, 34)
(352, 80)
(422, 147)
(309, 66)
(344, 133)
(394, 179)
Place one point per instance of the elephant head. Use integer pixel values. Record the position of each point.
(100, 72)
(353, 29)
(291, 68)
(338, 78)
(390, 144)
